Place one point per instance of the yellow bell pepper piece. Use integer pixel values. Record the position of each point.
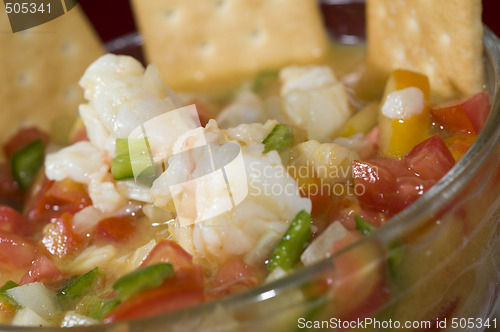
(399, 136)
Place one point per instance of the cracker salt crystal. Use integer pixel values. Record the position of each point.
(41, 67)
(199, 42)
(442, 39)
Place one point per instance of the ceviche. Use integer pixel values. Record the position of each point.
(163, 200)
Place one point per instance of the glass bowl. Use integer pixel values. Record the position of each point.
(434, 265)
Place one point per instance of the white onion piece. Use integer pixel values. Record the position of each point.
(27, 317)
(86, 219)
(36, 297)
(321, 247)
(263, 249)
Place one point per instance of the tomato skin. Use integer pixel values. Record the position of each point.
(116, 229)
(431, 159)
(10, 192)
(167, 251)
(465, 115)
(13, 222)
(59, 237)
(22, 138)
(389, 186)
(234, 276)
(202, 110)
(42, 269)
(51, 199)
(182, 291)
(16, 251)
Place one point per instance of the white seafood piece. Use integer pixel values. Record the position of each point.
(77, 162)
(328, 161)
(121, 96)
(313, 99)
(247, 108)
(251, 132)
(205, 228)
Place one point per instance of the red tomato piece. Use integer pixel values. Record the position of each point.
(16, 251)
(460, 144)
(22, 138)
(10, 192)
(68, 192)
(430, 159)
(13, 222)
(466, 115)
(388, 186)
(50, 199)
(59, 237)
(182, 291)
(42, 269)
(117, 229)
(234, 276)
(167, 251)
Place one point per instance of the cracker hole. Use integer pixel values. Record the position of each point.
(221, 4)
(69, 94)
(67, 47)
(256, 35)
(23, 79)
(204, 47)
(445, 38)
(170, 14)
(412, 23)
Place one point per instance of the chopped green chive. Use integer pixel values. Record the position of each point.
(292, 244)
(142, 279)
(279, 139)
(363, 225)
(80, 286)
(6, 299)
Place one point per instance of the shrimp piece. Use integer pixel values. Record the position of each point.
(313, 99)
(265, 198)
(247, 108)
(121, 96)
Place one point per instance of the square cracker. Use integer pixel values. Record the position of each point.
(41, 68)
(200, 42)
(442, 39)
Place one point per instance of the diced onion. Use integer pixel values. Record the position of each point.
(27, 317)
(36, 297)
(321, 247)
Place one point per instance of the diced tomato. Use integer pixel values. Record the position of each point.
(388, 186)
(16, 251)
(182, 291)
(117, 228)
(459, 144)
(22, 138)
(430, 159)
(466, 115)
(13, 222)
(10, 192)
(360, 289)
(319, 194)
(234, 276)
(59, 237)
(49, 199)
(42, 269)
(68, 191)
(167, 251)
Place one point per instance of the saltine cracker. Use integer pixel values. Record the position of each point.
(197, 43)
(41, 68)
(442, 39)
